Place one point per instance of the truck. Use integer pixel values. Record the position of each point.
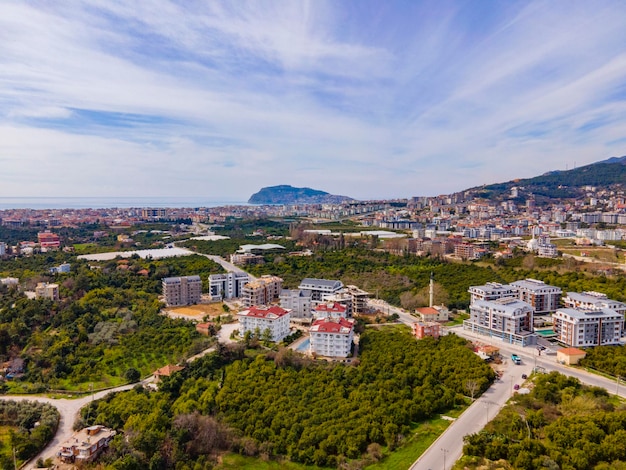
(516, 359)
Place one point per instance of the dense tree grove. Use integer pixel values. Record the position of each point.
(106, 323)
(608, 359)
(32, 425)
(279, 404)
(559, 424)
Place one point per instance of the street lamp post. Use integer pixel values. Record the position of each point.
(617, 386)
(445, 451)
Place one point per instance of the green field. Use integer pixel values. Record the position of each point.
(425, 434)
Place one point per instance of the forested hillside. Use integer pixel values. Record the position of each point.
(106, 324)
(562, 184)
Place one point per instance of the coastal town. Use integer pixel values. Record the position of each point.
(243, 302)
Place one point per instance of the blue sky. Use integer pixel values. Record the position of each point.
(368, 99)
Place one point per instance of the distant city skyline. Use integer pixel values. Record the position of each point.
(364, 98)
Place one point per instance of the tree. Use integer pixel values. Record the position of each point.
(266, 336)
(472, 386)
(132, 375)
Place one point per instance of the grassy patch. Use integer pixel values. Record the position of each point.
(424, 435)
(5, 444)
(239, 462)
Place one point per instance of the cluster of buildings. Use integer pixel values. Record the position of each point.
(509, 312)
(325, 306)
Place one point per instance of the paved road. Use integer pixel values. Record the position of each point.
(68, 409)
(450, 443)
(449, 446)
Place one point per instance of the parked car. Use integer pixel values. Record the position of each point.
(524, 376)
(516, 387)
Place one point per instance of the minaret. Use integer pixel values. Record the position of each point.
(432, 289)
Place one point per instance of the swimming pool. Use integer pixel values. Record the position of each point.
(546, 333)
(304, 346)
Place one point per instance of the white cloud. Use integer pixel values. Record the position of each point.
(358, 98)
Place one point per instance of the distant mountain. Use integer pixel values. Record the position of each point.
(607, 174)
(285, 194)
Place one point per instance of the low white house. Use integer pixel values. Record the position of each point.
(258, 319)
(332, 337)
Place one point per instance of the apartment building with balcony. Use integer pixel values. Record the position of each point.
(332, 337)
(320, 287)
(583, 328)
(257, 319)
(542, 297)
(262, 291)
(227, 286)
(184, 290)
(507, 318)
(329, 310)
(491, 291)
(298, 301)
(593, 301)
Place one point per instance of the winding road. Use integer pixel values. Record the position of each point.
(68, 409)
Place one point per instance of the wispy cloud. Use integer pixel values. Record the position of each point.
(367, 98)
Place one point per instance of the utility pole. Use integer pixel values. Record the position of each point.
(617, 387)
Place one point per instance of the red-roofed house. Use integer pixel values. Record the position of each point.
(166, 371)
(332, 337)
(48, 240)
(570, 356)
(428, 314)
(329, 310)
(274, 318)
(205, 328)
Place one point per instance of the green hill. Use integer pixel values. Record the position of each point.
(605, 175)
(285, 194)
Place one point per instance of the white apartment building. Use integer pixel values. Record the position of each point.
(262, 291)
(227, 286)
(541, 296)
(184, 290)
(329, 310)
(258, 319)
(298, 301)
(507, 318)
(45, 290)
(320, 287)
(593, 301)
(332, 338)
(491, 291)
(580, 328)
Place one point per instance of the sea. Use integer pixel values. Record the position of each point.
(111, 202)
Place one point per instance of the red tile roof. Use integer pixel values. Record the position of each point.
(273, 311)
(330, 308)
(340, 325)
(427, 311)
(168, 370)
